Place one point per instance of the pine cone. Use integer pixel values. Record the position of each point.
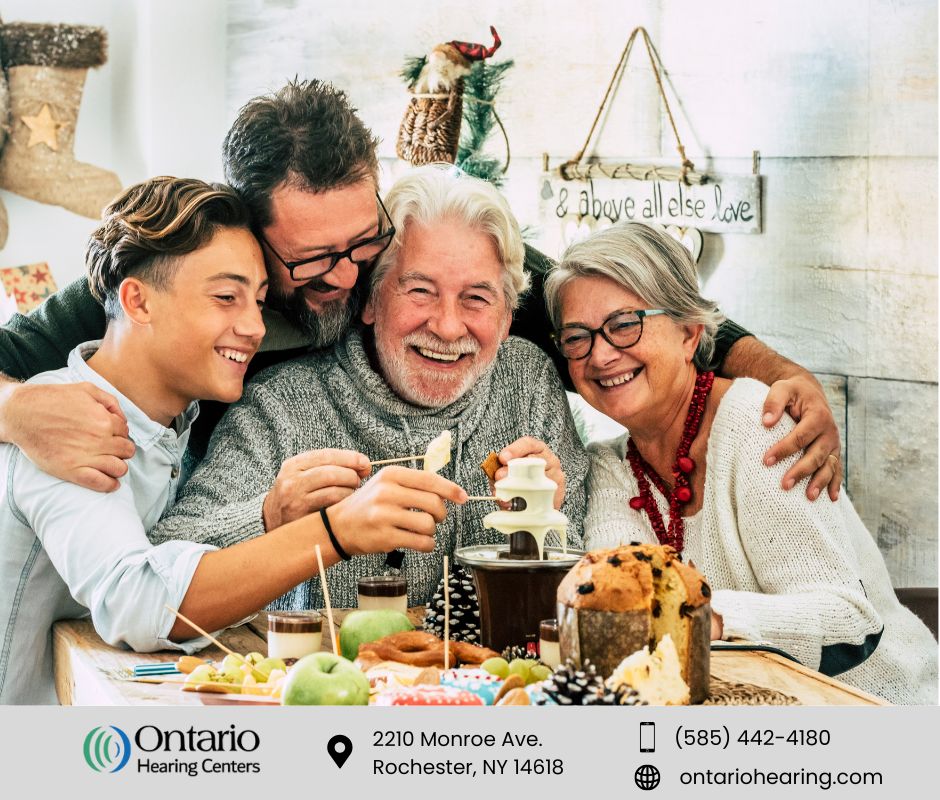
(622, 696)
(464, 609)
(515, 651)
(570, 686)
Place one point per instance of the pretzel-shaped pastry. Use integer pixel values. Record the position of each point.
(420, 649)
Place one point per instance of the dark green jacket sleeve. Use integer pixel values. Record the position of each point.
(531, 319)
(42, 340)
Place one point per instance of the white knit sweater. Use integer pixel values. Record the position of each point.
(804, 576)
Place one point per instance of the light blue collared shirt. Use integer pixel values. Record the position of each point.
(68, 552)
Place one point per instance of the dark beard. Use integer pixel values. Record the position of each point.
(324, 328)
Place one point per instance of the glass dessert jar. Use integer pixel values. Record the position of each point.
(383, 591)
(549, 649)
(294, 634)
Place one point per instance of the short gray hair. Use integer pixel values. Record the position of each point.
(650, 264)
(436, 192)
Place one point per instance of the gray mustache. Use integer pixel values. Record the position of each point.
(465, 345)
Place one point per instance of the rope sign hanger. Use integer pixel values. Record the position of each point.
(574, 170)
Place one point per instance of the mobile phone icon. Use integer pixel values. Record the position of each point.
(647, 737)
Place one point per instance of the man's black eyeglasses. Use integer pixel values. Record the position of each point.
(362, 254)
(622, 329)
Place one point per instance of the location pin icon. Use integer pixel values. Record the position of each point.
(339, 748)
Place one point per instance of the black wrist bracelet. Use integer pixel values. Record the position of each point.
(329, 532)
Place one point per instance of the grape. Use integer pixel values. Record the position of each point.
(496, 666)
(520, 667)
(539, 672)
(265, 667)
(203, 674)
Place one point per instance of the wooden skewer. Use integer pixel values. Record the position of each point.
(326, 596)
(216, 642)
(446, 615)
(396, 460)
(483, 498)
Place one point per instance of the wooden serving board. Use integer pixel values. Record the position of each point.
(773, 671)
(85, 666)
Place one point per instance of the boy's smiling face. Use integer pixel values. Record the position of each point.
(206, 325)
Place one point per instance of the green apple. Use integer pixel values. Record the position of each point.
(325, 679)
(360, 627)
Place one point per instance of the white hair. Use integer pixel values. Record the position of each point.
(650, 264)
(435, 192)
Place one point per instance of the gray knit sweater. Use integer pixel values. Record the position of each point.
(336, 399)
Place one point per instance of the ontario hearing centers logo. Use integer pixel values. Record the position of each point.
(106, 751)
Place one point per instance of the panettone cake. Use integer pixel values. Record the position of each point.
(615, 602)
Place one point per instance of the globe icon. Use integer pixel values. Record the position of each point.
(646, 777)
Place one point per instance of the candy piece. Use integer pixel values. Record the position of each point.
(490, 466)
(514, 681)
(438, 452)
(427, 696)
(515, 697)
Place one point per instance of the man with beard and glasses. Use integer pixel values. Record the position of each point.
(306, 166)
(435, 354)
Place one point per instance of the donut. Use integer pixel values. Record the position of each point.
(420, 649)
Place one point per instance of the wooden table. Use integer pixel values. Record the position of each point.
(85, 666)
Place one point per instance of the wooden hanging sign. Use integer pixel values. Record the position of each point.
(582, 196)
(728, 204)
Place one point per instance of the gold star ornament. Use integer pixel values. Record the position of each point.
(42, 129)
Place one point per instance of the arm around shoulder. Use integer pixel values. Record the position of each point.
(42, 340)
(795, 390)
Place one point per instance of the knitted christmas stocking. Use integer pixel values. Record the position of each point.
(46, 67)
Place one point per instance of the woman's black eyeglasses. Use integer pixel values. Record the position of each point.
(622, 329)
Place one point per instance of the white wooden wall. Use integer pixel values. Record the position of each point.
(839, 98)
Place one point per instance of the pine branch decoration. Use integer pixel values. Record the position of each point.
(480, 89)
(412, 69)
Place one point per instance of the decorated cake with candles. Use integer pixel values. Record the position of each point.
(615, 602)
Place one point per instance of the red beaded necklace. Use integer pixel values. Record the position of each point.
(681, 494)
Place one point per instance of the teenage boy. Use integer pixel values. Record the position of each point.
(182, 281)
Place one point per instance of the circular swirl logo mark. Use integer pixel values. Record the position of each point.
(107, 749)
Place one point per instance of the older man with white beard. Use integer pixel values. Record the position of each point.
(435, 354)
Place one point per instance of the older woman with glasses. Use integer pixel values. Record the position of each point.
(806, 577)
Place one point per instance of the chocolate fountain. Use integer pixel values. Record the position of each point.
(517, 582)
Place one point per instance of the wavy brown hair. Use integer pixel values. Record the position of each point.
(306, 135)
(149, 225)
